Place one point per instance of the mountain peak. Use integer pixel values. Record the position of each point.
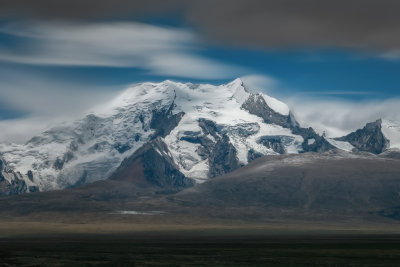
(374, 124)
(236, 83)
(370, 138)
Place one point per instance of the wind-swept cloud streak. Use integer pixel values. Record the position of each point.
(41, 100)
(338, 117)
(260, 82)
(157, 50)
(40, 95)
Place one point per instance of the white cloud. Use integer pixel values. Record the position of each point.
(158, 50)
(259, 82)
(185, 65)
(339, 117)
(390, 55)
(20, 130)
(39, 95)
(45, 100)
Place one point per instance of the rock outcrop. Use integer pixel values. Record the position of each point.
(152, 165)
(369, 139)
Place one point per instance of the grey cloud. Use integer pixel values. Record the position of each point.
(83, 10)
(21, 129)
(256, 83)
(45, 100)
(157, 50)
(361, 24)
(41, 95)
(345, 23)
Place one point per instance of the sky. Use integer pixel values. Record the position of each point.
(336, 63)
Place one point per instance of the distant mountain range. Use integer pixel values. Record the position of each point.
(173, 136)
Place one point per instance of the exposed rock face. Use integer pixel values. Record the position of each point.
(256, 105)
(160, 169)
(242, 129)
(15, 187)
(163, 121)
(222, 156)
(252, 155)
(122, 148)
(156, 167)
(313, 142)
(276, 142)
(370, 138)
(15, 184)
(220, 153)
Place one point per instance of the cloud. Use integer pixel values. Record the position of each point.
(260, 82)
(339, 117)
(157, 50)
(192, 66)
(40, 95)
(359, 24)
(40, 100)
(391, 55)
(21, 129)
(88, 9)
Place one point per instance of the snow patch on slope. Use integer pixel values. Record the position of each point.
(343, 145)
(391, 130)
(277, 105)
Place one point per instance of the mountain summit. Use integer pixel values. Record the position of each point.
(198, 131)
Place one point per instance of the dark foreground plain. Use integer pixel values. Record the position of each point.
(201, 249)
(332, 209)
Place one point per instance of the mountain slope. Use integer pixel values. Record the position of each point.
(308, 186)
(198, 123)
(207, 130)
(152, 165)
(311, 187)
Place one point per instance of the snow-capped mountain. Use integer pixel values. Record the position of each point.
(202, 130)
